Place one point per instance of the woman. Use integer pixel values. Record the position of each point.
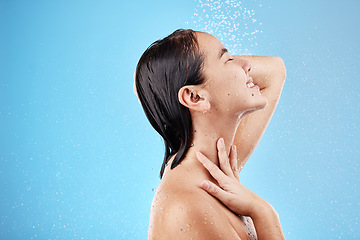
(199, 98)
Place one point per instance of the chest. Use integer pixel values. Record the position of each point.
(244, 226)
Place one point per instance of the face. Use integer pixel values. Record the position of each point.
(228, 85)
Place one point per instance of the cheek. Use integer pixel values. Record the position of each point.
(225, 85)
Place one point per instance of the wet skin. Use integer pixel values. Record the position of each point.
(225, 106)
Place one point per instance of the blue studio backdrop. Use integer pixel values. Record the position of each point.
(78, 158)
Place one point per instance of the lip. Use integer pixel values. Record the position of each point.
(252, 85)
(250, 80)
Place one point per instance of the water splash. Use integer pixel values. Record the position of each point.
(230, 21)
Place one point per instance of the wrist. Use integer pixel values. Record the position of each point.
(267, 222)
(261, 209)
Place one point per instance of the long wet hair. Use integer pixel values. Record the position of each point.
(166, 66)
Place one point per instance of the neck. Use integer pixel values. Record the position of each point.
(206, 130)
(205, 137)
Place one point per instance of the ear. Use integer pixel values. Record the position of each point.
(192, 98)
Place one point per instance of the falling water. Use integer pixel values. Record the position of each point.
(230, 21)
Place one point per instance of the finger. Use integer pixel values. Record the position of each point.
(214, 190)
(223, 158)
(214, 171)
(233, 162)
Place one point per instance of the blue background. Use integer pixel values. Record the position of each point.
(78, 159)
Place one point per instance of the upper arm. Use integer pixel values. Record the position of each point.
(269, 74)
(189, 218)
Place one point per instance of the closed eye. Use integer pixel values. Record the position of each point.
(230, 59)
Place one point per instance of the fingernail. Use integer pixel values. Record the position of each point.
(205, 185)
(199, 156)
(222, 142)
(234, 148)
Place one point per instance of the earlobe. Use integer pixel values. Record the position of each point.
(206, 106)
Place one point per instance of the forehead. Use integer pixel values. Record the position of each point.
(209, 44)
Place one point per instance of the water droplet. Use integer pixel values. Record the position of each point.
(223, 19)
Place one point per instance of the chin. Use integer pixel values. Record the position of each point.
(259, 104)
(263, 103)
(253, 104)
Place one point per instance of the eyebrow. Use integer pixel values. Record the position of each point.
(224, 50)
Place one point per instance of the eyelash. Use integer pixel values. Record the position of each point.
(230, 59)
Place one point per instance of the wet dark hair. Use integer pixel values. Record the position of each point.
(165, 67)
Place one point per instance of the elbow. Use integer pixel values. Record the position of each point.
(279, 68)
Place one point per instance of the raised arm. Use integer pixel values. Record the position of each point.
(269, 74)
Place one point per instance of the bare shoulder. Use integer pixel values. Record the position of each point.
(187, 214)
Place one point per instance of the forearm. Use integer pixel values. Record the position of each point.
(267, 223)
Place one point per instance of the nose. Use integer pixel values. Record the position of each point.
(246, 65)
